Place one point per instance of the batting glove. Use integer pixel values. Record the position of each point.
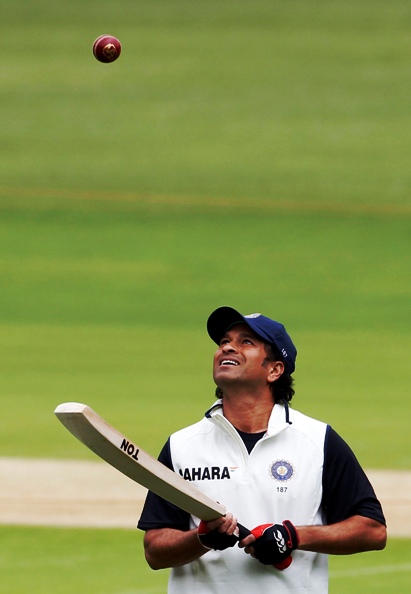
(275, 543)
(213, 539)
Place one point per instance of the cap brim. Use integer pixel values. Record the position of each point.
(220, 320)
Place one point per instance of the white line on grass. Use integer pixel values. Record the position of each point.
(371, 570)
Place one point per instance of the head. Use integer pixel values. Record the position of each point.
(277, 343)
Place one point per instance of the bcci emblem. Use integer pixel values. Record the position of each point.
(281, 471)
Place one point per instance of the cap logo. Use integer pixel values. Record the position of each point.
(255, 315)
(284, 352)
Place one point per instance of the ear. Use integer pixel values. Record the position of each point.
(275, 369)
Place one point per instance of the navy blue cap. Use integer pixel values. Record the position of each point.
(268, 330)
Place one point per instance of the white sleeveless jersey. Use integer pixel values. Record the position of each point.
(280, 480)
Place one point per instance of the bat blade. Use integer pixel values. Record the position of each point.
(124, 455)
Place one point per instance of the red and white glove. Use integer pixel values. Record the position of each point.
(275, 543)
(213, 539)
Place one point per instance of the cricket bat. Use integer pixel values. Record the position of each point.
(124, 455)
(116, 449)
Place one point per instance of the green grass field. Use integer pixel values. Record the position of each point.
(110, 308)
(248, 154)
(110, 562)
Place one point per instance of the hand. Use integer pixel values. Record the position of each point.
(274, 544)
(219, 534)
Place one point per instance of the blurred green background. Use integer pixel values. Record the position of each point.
(246, 154)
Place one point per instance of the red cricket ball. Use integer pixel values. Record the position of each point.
(106, 48)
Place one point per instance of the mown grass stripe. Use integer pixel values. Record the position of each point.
(200, 202)
(380, 569)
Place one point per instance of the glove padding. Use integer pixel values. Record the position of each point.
(275, 543)
(213, 539)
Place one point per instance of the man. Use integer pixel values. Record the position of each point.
(289, 478)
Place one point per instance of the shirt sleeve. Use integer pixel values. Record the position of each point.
(159, 513)
(346, 489)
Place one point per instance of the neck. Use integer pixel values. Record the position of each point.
(248, 412)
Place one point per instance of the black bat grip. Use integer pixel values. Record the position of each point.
(242, 531)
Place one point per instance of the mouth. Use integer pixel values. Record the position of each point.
(228, 362)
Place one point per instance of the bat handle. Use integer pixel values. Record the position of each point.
(243, 532)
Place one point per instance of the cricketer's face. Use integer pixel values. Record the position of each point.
(241, 358)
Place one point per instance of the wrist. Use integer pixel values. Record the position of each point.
(294, 537)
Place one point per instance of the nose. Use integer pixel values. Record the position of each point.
(228, 347)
